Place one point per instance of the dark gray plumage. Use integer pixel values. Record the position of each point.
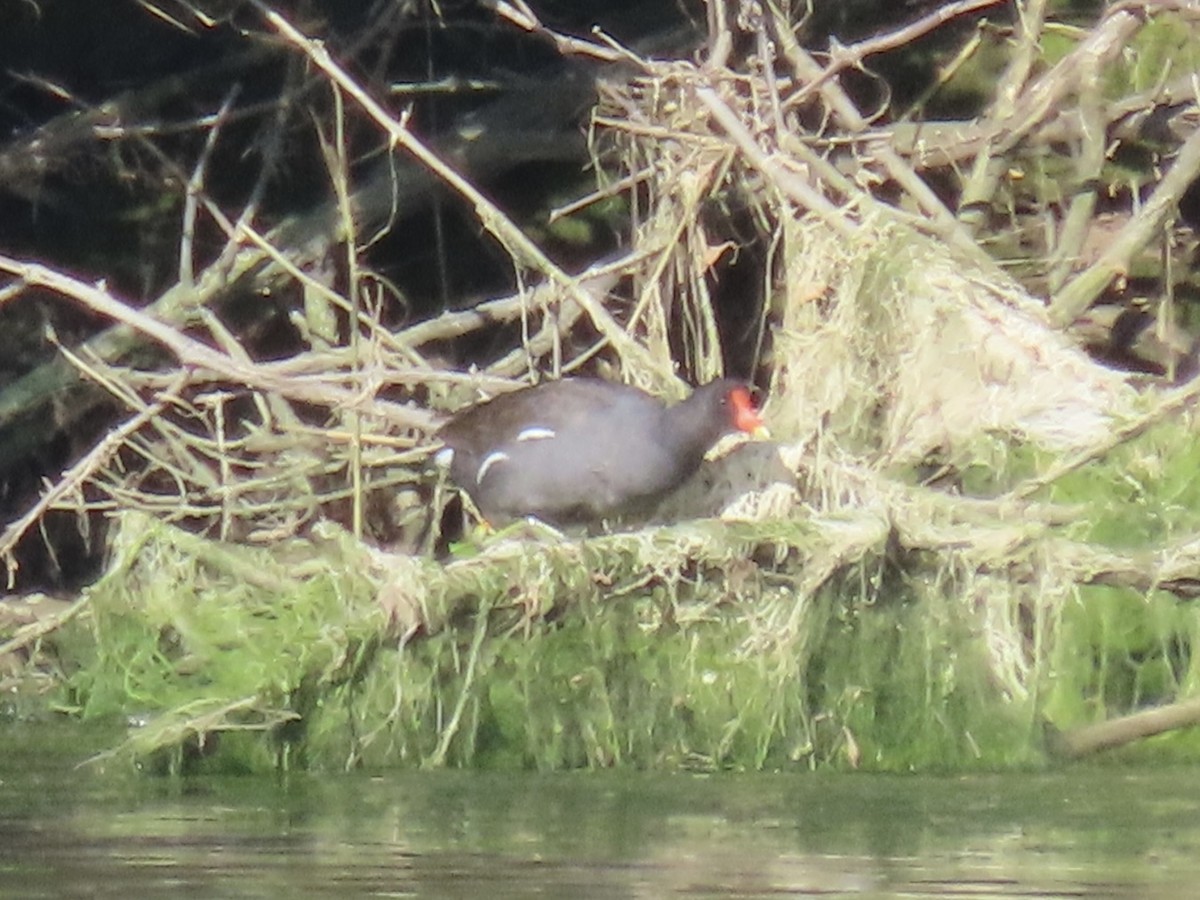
(584, 450)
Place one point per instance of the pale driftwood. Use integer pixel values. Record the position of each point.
(1120, 732)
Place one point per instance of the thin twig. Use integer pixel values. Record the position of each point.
(1138, 232)
(1089, 165)
(195, 187)
(852, 56)
(77, 474)
(788, 183)
(525, 251)
(193, 353)
(1170, 405)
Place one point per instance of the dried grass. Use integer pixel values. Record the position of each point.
(764, 636)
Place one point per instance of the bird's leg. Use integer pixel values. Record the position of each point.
(538, 528)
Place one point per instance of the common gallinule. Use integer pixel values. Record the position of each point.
(585, 450)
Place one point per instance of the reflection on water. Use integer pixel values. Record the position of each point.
(1081, 833)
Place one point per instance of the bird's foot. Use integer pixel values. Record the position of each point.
(532, 528)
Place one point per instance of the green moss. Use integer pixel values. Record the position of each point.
(1143, 493)
(1120, 651)
(628, 650)
(1164, 47)
(620, 685)
(279, 671)
(908, 682)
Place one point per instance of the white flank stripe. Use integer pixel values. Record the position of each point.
(536, 433)
(488, 461)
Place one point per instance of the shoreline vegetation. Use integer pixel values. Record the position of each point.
(972, 541)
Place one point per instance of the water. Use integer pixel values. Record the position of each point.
(1085, 832)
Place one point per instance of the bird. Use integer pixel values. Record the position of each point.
(583, 451)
